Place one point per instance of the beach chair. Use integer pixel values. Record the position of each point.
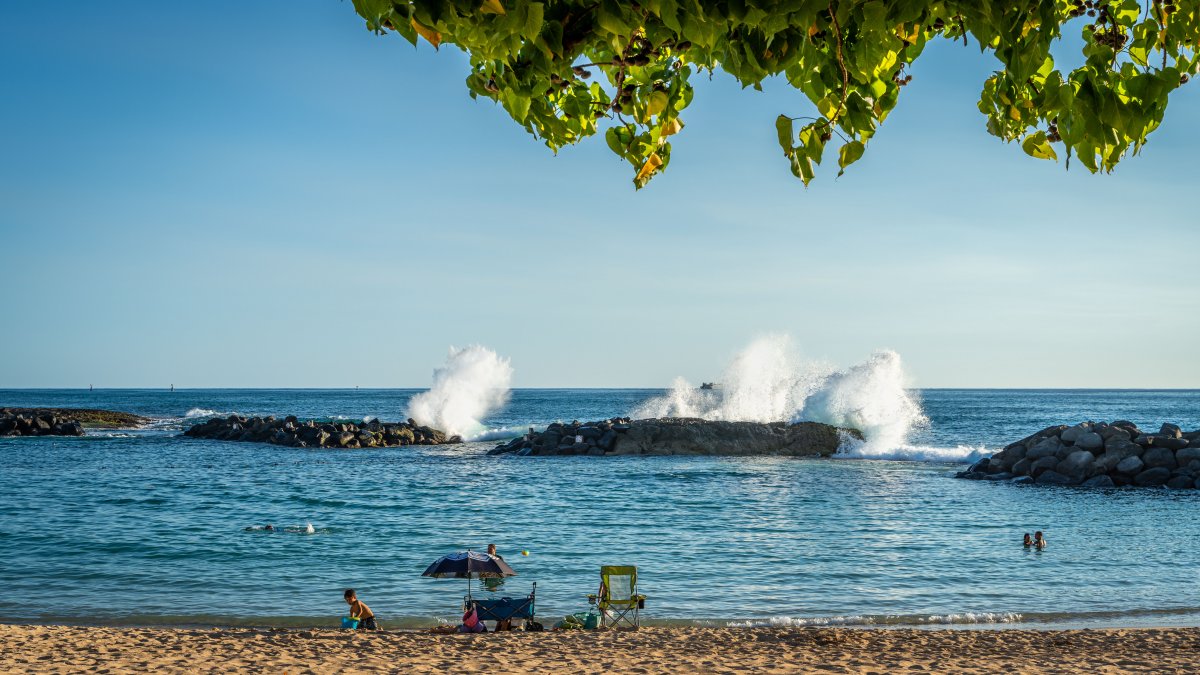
(501, 609)
(618, 599)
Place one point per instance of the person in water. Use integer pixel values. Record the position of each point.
(493, 584)
(1028, 541)
(360, 611)
(1039, 541)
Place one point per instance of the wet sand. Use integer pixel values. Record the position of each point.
(70, 649)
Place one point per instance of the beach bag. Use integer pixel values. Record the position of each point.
(534, 627)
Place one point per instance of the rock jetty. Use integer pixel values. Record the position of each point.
(291, 432)
(680, 436)
(30, 423)
(1098, 454)
(62, 421)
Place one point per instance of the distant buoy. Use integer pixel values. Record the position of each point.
(524, 552)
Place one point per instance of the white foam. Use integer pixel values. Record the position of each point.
(889, 619)
(769, 382)
(193, 413)
(913, 453)
(474, 382)
(496, 434)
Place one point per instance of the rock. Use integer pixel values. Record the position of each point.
(589, 433)
(1022, 480)
(1131, 465)
(1101, 481)
(1077, 464)
(689, 436)
(607, 440)
(1180, 482)
(1090, 441)
(1111, 433)
(1171, 443)
(980, 465)
(1188, 454)
(1152, 477)
(291, 432)
(69, 429)
(1021, 468)
(971, 475)
(1071, 436)
(1055, 478)
(1042, 465)
(1047, 447)
(1170, 431)
(1160, 457)
(1123, 449)
(1144, 440)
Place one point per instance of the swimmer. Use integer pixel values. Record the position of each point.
(1039, 541)
(1028, 543)
(310, 529)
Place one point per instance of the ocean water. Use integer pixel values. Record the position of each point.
(148, 527)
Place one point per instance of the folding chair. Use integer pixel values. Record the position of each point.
(618, 599)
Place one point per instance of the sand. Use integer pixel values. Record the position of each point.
(70, 649)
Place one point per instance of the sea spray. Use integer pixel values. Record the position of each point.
(765, 382)
(769, 382)
(870, 397)
(474, 382)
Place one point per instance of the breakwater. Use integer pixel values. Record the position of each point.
(293, 432)
(1098, 454)
(680, 436)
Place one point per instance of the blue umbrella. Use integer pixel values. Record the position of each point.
(469, 565)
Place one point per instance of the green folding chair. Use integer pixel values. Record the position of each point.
(618, 599)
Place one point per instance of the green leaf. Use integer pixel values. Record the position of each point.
(1036, 145)
(849, 154)
(783, 127)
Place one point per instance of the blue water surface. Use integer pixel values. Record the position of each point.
(147, 526)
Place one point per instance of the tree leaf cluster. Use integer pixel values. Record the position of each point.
(566, 70)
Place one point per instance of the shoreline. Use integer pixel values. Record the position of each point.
(1139, 619)
(60, 649)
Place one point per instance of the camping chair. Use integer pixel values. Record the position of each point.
(618, 599)
(501, 609)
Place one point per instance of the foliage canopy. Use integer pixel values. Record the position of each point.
(569, 69)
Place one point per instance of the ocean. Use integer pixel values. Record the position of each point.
(149, 527)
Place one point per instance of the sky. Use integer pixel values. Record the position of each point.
(265, 194)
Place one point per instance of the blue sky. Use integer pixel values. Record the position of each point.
(267, 195)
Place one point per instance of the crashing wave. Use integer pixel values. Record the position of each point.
(769, 382)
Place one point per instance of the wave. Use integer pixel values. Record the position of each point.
(854, 449)
(769, 382)
(473, 383)
(195, 413)
(882, 620)
(496, 434)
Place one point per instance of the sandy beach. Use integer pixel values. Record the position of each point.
(70, 649)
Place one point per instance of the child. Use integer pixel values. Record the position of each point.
(1028, 541)
(1038, 540)
(360, 611)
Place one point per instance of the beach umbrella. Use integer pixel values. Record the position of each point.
(469, 565)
